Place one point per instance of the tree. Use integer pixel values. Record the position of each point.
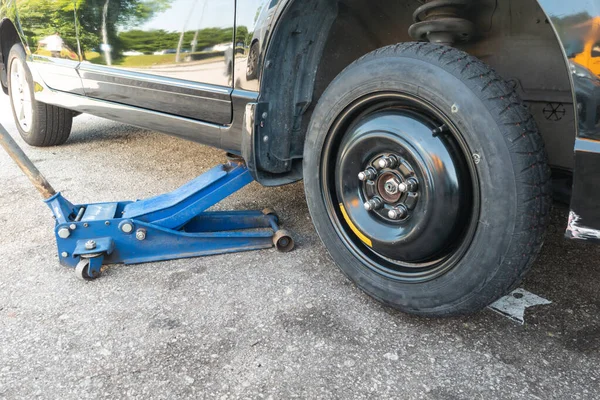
(84, 18)
(43, 18)
(103, 19)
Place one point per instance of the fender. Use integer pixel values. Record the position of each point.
(10, 33)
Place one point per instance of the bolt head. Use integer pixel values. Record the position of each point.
(90, 245)
(72, 227)
(368, 206)
(140, 234)
(362, 176)
(64, 233)
(382, 163)
(64, 254)
(403, 187)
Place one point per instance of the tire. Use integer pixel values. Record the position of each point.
(38, 123)
(472, 223)
(252, 62)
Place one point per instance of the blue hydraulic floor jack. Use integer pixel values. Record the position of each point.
(168, 226)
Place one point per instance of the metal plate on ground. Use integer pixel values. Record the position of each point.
(514, 304)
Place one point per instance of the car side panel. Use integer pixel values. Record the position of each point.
(172, 56)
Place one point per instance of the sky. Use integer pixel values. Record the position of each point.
(563, 8)
(204, 14)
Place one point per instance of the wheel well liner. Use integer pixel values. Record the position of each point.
(8, 37)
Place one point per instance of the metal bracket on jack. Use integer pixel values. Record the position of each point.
(168, 226)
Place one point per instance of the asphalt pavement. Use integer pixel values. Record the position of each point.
(259, 324)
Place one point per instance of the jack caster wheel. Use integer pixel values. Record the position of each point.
(82, 271)
(283, 241)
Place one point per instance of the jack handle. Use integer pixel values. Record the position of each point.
(18, 156)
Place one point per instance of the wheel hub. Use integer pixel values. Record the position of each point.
(394, 185)
(402, 187)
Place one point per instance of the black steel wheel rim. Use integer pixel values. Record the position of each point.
(400, 186)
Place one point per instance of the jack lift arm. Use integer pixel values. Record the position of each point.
(168, 226)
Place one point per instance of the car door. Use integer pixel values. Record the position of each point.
(171, 56)
(51, 42)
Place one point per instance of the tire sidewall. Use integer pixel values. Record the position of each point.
(17, 52)
(498, 189)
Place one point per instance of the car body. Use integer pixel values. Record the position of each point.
(120, 70)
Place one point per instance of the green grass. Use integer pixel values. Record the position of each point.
(133, 61)
(146, 60)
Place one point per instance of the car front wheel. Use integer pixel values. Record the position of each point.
(426, 179)
(38, 123)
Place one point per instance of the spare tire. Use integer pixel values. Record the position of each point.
(426, 179)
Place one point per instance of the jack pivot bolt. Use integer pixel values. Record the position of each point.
(127, 227)
(411, 185)
(388, 162)
(374, 204)
(368, 174)
(90, 245)
(398, 212)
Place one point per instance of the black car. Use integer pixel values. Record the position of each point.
(427, 132)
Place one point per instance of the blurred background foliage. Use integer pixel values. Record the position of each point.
(84, 18)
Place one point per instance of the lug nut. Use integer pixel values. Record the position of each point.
(368, 174)
(412, 184)
(398, 212)
(387, 162)
(90, 245)
(374, 204)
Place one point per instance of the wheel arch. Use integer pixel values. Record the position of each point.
(8, 37)
(314, 40)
